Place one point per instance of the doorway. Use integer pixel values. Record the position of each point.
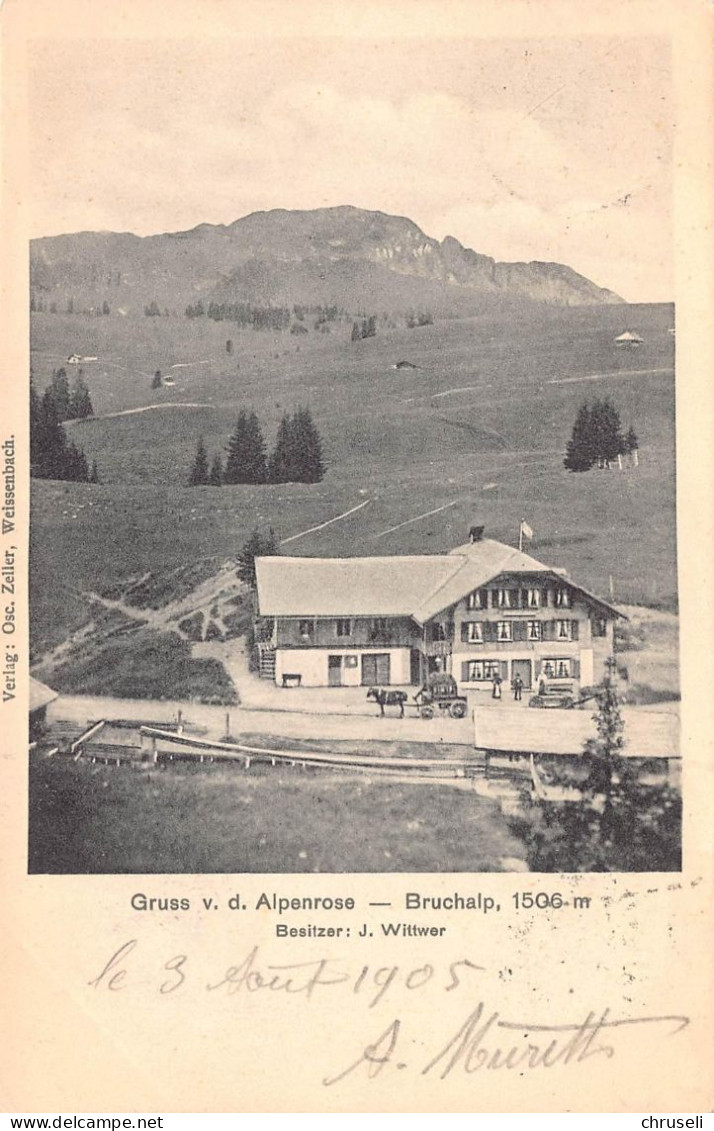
(523, 669)
(375, 669)
(334, 671)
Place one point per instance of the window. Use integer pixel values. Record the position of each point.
(504, 630)
(438, 631)
(474, 632)
(534, 630)
(562, 631)
(504, 598)
(477, 599)
(380, 626)
(477, 670)
(562, 599)
(557, 669)
(599, 627)
(533, 598)
(343, 626)
(350, 661)
(305, 628)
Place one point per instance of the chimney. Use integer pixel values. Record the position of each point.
(476, 533)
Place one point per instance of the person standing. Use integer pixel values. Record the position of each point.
(517, 688)
(496, 687)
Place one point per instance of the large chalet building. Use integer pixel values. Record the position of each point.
(483, 609)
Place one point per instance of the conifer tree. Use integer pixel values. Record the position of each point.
(258, 546)
(157, 380)
(282, 463)
(94, 473)
(59, 391)
(246, 462)
(297, 457)
(51, 457)
(596, 437)
(308, 448)
(80, 402)
(579, 452)
(198, 476)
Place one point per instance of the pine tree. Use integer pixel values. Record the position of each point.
(94, 473)
(297, 457)
(157, 380)
(631, 441)
(579, 455)
(282, 463)
(215, 476)
(596, 437)
(80, 403)
(606, 431)
(258, 546)
(198, 476)
(59, 391)
(51, 457)
(308, 448)
(246, 462)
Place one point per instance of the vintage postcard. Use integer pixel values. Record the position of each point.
(355, 556)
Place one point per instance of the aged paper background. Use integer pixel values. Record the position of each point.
(644, 948)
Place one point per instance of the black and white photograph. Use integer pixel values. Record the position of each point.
(352, 423)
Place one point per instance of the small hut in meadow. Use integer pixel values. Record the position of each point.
(628, 340)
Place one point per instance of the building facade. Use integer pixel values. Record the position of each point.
(484, 610)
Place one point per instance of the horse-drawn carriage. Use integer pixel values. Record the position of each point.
(441, 693)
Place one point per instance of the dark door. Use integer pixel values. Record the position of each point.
(415, 675)
(375, 669)
(334, 671)
(523, 669)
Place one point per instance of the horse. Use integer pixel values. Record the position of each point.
(388, 699)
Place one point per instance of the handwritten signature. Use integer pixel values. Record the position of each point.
(479, 1043)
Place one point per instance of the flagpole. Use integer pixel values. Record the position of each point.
(520, 537)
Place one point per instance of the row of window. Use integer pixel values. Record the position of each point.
(475, 671)
(505, 631)
(475, 632)
(518, 598)
(343, 627)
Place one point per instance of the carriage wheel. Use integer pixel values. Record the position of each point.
(458, 709)
(426, 711)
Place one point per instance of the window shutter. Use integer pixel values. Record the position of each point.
(504, 670)
(519, 630)
(464, 672)
(524, 598)
(549, 630)
(574, 629)
(575, 668)
(488, 630)
(464, 631)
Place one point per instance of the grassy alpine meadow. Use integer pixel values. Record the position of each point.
(475, 433)
(200, 819)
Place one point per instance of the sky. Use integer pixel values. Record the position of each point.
(555, 149)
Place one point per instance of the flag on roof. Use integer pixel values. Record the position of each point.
(526, 530)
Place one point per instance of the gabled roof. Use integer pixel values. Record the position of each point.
(412, 586)
(344, 587)
(479, 562)
(40, 694)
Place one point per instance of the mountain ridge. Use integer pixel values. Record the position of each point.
(299, 256)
